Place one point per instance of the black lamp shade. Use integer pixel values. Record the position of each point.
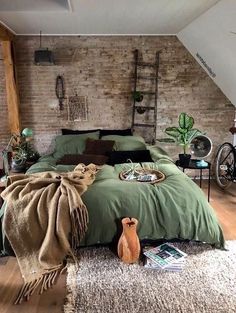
(43, 57)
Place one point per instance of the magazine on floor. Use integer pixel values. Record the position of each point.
(174, 267)
(165, 255)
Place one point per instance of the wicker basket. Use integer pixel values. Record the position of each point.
(160, 176)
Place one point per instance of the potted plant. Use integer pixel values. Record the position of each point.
(182, 135)
(19, 158)
(138, 96)
(23, 155)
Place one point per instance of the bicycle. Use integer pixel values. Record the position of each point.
(225, 165)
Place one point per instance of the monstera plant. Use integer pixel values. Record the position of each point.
(182, 135)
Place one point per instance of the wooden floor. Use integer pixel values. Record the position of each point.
(224, 203)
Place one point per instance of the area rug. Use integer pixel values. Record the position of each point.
(103, 284)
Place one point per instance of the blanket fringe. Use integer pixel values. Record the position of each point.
(79, 222)
(46, 281)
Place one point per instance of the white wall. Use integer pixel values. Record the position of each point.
(210, 37)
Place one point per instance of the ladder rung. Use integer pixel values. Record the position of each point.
(146, 64)
(147, 77)
(144, 107)
(148, 92)
(144, 125)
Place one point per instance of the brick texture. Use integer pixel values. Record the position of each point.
(4, 129)
(102, 69)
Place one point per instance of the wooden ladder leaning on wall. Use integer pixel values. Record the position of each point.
(141, 109)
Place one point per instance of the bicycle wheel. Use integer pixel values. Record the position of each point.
(225, 163)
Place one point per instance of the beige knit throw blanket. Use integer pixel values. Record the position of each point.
(45, 219)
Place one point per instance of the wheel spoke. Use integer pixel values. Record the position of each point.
(225, 165)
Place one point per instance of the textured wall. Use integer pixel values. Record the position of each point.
(4, 130)
(101, 68)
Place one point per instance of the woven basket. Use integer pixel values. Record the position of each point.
(160, 176)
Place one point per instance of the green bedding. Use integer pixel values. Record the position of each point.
(173, 208)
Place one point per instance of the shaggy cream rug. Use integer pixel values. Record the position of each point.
(103, 284)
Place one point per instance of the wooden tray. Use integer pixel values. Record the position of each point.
(160, 176)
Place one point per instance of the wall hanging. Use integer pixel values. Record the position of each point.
(77, 108)
(60, 90)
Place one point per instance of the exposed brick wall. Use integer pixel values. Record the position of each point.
(4, 129)
(102, 69)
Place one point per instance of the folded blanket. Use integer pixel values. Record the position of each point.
(45, 219)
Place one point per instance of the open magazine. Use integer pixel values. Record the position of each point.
(165, 256)
(174, 267)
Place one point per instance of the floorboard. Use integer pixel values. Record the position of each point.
(224, 203)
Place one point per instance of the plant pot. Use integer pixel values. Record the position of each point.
(139, 98)
(137, 95)
(141, 110)
(18, 167)
(184, 159)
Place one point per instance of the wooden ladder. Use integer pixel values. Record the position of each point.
(137, 107)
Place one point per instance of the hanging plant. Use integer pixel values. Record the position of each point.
(138, 96)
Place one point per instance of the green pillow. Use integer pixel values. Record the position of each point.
(72, 144)
(127, 143)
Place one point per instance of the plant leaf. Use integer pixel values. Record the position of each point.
(185, 121)
(182, 130)
(173, 132)
(191, 134)
(171, 140)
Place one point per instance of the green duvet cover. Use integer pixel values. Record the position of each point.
(173, 208)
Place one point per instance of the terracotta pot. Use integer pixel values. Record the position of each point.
(129, 246)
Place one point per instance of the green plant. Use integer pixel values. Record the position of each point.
(137, 96)
(182, 134)
(19, 156)
(24, 152)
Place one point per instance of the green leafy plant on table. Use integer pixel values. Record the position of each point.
(23, 155)
(182, 135)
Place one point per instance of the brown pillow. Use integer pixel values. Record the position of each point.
(74, 159)
(98, 147)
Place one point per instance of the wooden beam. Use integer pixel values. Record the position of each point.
(5, 34)
(11, 88)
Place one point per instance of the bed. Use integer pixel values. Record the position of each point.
(175, 208)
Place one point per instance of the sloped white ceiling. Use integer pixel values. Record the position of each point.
(211, 40)
(101, 16)
(34, 5)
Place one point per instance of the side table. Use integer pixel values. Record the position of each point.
(194, 164)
